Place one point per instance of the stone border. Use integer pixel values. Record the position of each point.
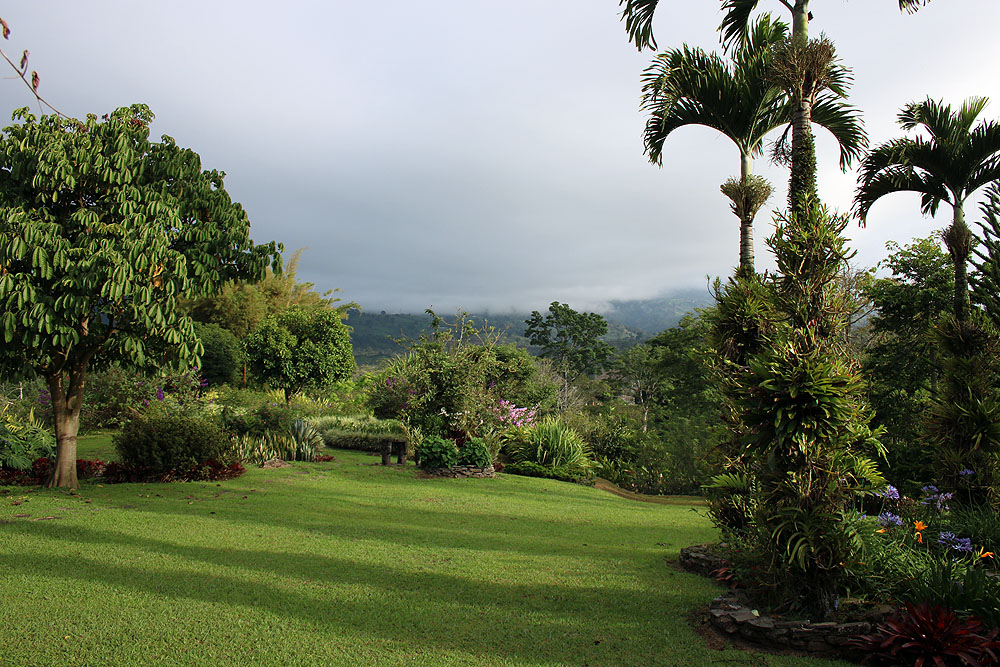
(730, 614)
(463, 471)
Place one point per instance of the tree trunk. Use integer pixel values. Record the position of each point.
(802, 184)
(67, 399)
(800, 22)
(746, 221)
(958, 239)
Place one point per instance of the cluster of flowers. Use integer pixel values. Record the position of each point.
(934, 497)
(511, 415)
(888, 493)
(953, 541)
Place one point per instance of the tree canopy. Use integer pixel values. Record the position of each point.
(300, 348)
(103, 231)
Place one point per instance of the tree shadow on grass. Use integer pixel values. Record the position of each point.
(525, 621)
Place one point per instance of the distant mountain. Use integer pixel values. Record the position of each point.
(658, 313)
(629, 323)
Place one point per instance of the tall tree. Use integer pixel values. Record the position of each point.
(101, 232)
(571, 340)
(741, 100)
(806, 72)
(957, 158)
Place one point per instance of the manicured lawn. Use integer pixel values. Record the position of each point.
(345, 563)
(96, 446)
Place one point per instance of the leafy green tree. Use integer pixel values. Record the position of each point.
(901, 359)
(739, 99)
(571, 340)
(300, 348)
(955, 160)
(635, 371)
(222, 356)
(103, 231)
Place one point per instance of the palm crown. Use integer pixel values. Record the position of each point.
(954, 160)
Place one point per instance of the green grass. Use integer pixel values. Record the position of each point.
(96, 445)
(346, 563)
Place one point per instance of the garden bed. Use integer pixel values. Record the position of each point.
(736, 617)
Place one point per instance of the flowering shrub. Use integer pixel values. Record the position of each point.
(449, 386)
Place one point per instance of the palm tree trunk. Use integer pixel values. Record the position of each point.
(958, 240)
(802, 184)
(800, 22)
(746, 220)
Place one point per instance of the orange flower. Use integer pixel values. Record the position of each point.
(919, 525)
(880, 530)
(984, 554)
(920, 538)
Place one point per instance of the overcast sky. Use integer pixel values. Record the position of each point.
(484, 153)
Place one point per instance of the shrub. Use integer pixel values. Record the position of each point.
(222, 358)
(930, 634)
(305, 440)
(529, 469)
(951, 584)
(362, 433)
(162, 443)
(212, 469)
(436, 452)
(981, 524)
(475, 453)
(552, 444)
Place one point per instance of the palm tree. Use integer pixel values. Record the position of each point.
(954, 162)
(739, 99)
(807, 62)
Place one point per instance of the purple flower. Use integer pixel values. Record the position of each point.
(159, 394)
(952, 541)
(889, 519)
(889, 493)
(965, 472)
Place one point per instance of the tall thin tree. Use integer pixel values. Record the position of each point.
(742, 100)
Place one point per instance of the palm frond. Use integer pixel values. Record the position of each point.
(735, 24)
(844, 123)
(638, 17)
(911, 5)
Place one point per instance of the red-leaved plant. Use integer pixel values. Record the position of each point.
(926, 634)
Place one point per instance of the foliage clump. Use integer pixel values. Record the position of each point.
(162, 443)
(300, 348)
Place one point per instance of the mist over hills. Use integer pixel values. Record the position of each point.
(630, 322)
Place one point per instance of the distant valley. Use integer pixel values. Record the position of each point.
(630, 322)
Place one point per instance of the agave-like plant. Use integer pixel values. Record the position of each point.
(303, 441)
(553, 444)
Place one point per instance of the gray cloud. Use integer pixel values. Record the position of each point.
(476, 154)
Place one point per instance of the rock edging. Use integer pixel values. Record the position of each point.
(731, 615)
(463, 471)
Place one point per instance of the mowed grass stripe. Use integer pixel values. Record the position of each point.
(347, 563)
